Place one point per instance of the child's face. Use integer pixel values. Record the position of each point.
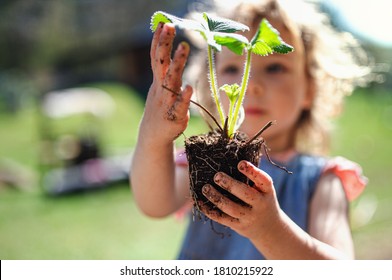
(278, 90)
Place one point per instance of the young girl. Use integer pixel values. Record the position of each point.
(298, 216)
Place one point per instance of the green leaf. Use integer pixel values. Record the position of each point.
(209, 38)
(267, 41)
(157, 18)
(160, 16)
(232, 91)
(235, 42)
(218, 24)
(262, 48)
(283, 48)
(216, 31)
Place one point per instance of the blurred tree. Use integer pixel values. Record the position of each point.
(60, 44)
(380, 56)
(44, 30)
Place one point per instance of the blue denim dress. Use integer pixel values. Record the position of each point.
(204, 240)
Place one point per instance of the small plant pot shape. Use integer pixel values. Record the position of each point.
(221, 149)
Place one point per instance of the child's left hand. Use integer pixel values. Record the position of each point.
(256, 218)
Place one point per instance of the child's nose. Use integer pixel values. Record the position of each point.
(255, 86)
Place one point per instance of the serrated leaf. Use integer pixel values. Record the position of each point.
(218, 24)
(262, 48)
(283, 48)
(157, 18)
(267, 40)
(234, 42)
(189, 24)
(216, 31)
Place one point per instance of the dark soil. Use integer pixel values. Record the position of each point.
(210, 153)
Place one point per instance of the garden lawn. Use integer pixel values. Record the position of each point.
(106, 224)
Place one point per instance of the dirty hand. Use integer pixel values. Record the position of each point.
(166, 113)
(252, 220)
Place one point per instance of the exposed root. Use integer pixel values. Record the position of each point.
(212, 153)
(221, 234)
(273, 163)
(199, 105)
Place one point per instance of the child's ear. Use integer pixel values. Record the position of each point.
(310, 93)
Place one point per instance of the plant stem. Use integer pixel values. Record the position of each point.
(244, 85)
(232, 103)
(213, 84)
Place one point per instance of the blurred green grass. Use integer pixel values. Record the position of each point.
(363, 134)
(106, 224)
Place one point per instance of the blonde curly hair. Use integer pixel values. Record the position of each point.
(335, 62)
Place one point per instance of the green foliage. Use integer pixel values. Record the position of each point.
(267, 41)
(218, 32)
(211, 29)
(234, 42)
(232, 91)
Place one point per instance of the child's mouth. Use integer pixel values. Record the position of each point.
(254, 112)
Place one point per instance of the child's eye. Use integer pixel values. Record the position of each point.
(275, 68)
(231, 70)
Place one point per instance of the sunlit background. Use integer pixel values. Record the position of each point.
(73, 79)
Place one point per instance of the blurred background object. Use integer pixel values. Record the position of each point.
(71, 156)
(73, 78)
(63, 43)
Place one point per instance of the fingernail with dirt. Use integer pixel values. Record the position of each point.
(217, 177)
(242, 166)
(206, 189)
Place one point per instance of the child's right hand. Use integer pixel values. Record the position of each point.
(166, 113)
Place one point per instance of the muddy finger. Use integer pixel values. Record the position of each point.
(263, 182)
(226, 205)
(218, 217)
(163, 50)
(244, 192)
(154, 44)
(183, 102)
(173, 79)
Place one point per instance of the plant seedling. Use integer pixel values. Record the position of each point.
(219, 32)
